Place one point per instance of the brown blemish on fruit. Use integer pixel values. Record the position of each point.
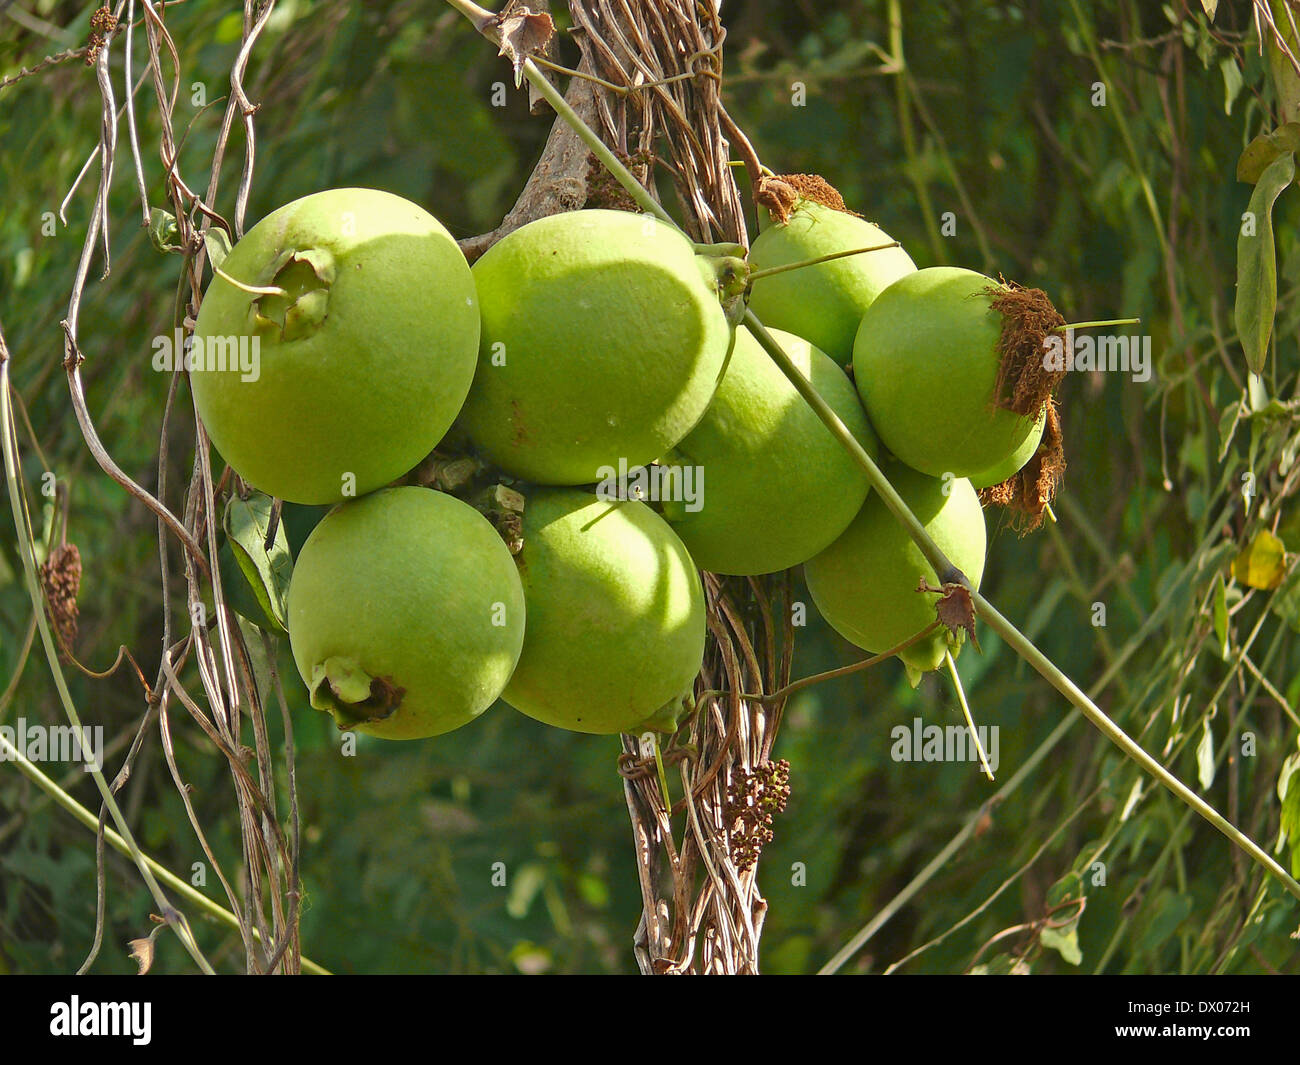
(518, 433)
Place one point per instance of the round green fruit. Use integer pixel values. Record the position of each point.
(774, 486)
(822, 303)
(865, 584)
(603, 339)
(406, 614)
(616, 615)
(1016, 462)
(926, 363)
(350, 373)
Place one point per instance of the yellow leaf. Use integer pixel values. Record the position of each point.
(1262, 564)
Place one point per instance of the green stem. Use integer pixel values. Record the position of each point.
(1049, 671)
(830, 674)
(175, 919)
(1097, 325)
(756, 274)
(943, 568)
(599, 148)
(485, 22)
(965, 709)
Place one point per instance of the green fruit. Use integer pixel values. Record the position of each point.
(926, 364)
(822, 303)
(1016, 462)
(406, 614)
(865, 583)
(616, 615)
(603, 338)
(359, 376)
(1012, 466)
(775, 487)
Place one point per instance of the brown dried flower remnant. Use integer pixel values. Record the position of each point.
(1029, 492)
(102, 23)
(61, 581)
(1028, 319)
(781, 193)
(753, 797)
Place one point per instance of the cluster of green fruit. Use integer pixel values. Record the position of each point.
(578, 345)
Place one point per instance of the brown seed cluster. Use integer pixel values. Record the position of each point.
(102, 23)
(61, 580)
(752, 798)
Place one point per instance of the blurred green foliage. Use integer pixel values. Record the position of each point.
(505, 846)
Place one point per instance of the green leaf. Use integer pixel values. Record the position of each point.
(1257, 264)
(1228, 422)
(1258, 399)
(1064, 941)
(1065, 899)
(1262, 562)
(163, 233)
(1288, 790)
(217, 241)
(1285, 83)
(1221, 614)
(1231, 82)
(525, 886)
(1265, 149)
(265, 573)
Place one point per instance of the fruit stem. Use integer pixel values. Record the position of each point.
(965, 709)
(256, 290)
(756, 274)
(659, 766)
(830, 674)
(1096, 325)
